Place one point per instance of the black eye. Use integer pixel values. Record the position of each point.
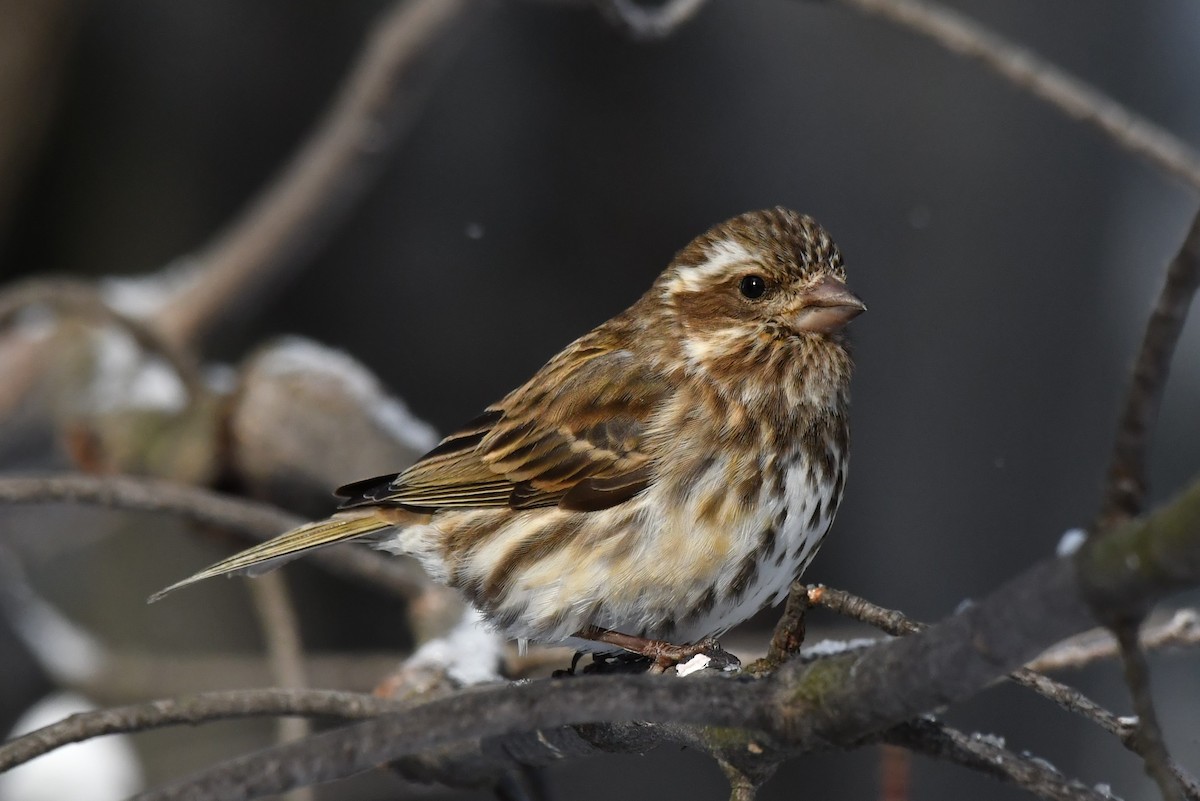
(753, 286)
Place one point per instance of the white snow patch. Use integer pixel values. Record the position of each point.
(470, 653)
(147, 294)
(125, 377)
(994, 740)
(1070, 542)
(1103, 789)
(101, 769)
(1044, 764)
(964, 605)
(694, 665)
(835, 647)
(297, 355)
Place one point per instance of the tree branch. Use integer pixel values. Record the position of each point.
(247, 518)
(1025, 70)
(828, 703)
(1125, 493)
(190, 710)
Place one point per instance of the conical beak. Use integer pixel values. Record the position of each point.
(826, 307)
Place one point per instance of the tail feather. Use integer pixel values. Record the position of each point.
(289, 545)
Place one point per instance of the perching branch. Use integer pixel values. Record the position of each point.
(832, 702)
(1044, 80)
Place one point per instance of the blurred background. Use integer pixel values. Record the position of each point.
(1009, 257)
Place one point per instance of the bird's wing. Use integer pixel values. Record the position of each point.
(573, 436)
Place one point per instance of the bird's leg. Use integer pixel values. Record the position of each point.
(662, 653)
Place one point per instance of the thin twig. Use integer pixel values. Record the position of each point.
(285, 654)
(1043, 79)
(1182, 628)
(305, 202)
(1126, 487)
(789, 631)
(1066, 697)
(250, 519)
(934, 739)
(1147, 740)
(191, 710)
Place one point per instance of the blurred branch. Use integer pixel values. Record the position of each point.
(84, 302)
(1126, 488)
(1027, 71)
(648, 23)
(250, 519)
(1181, 629)
(331, 171)
(285, 654)
(191, 710)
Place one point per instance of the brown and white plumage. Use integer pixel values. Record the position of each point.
(665, 476)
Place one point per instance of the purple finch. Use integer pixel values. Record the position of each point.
(661, 479)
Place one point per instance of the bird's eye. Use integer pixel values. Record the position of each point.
(753, 286)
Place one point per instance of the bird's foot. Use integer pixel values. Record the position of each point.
(662, 654)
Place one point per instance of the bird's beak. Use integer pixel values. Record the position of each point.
(826, 307)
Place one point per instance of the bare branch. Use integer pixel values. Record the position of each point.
(1147, 740)
(1126, 489)
(982, 754)
(281, 634)
(1068, 698)
(1027, 71)
(1182, 628)
(250, 519)
(789, 631)
(200, 708)
(292, 216)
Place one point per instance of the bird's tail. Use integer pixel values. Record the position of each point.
(291, 544)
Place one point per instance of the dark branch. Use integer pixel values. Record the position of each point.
(936, 740)
(1126, 488)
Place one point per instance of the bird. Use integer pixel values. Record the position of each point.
(658, 481)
